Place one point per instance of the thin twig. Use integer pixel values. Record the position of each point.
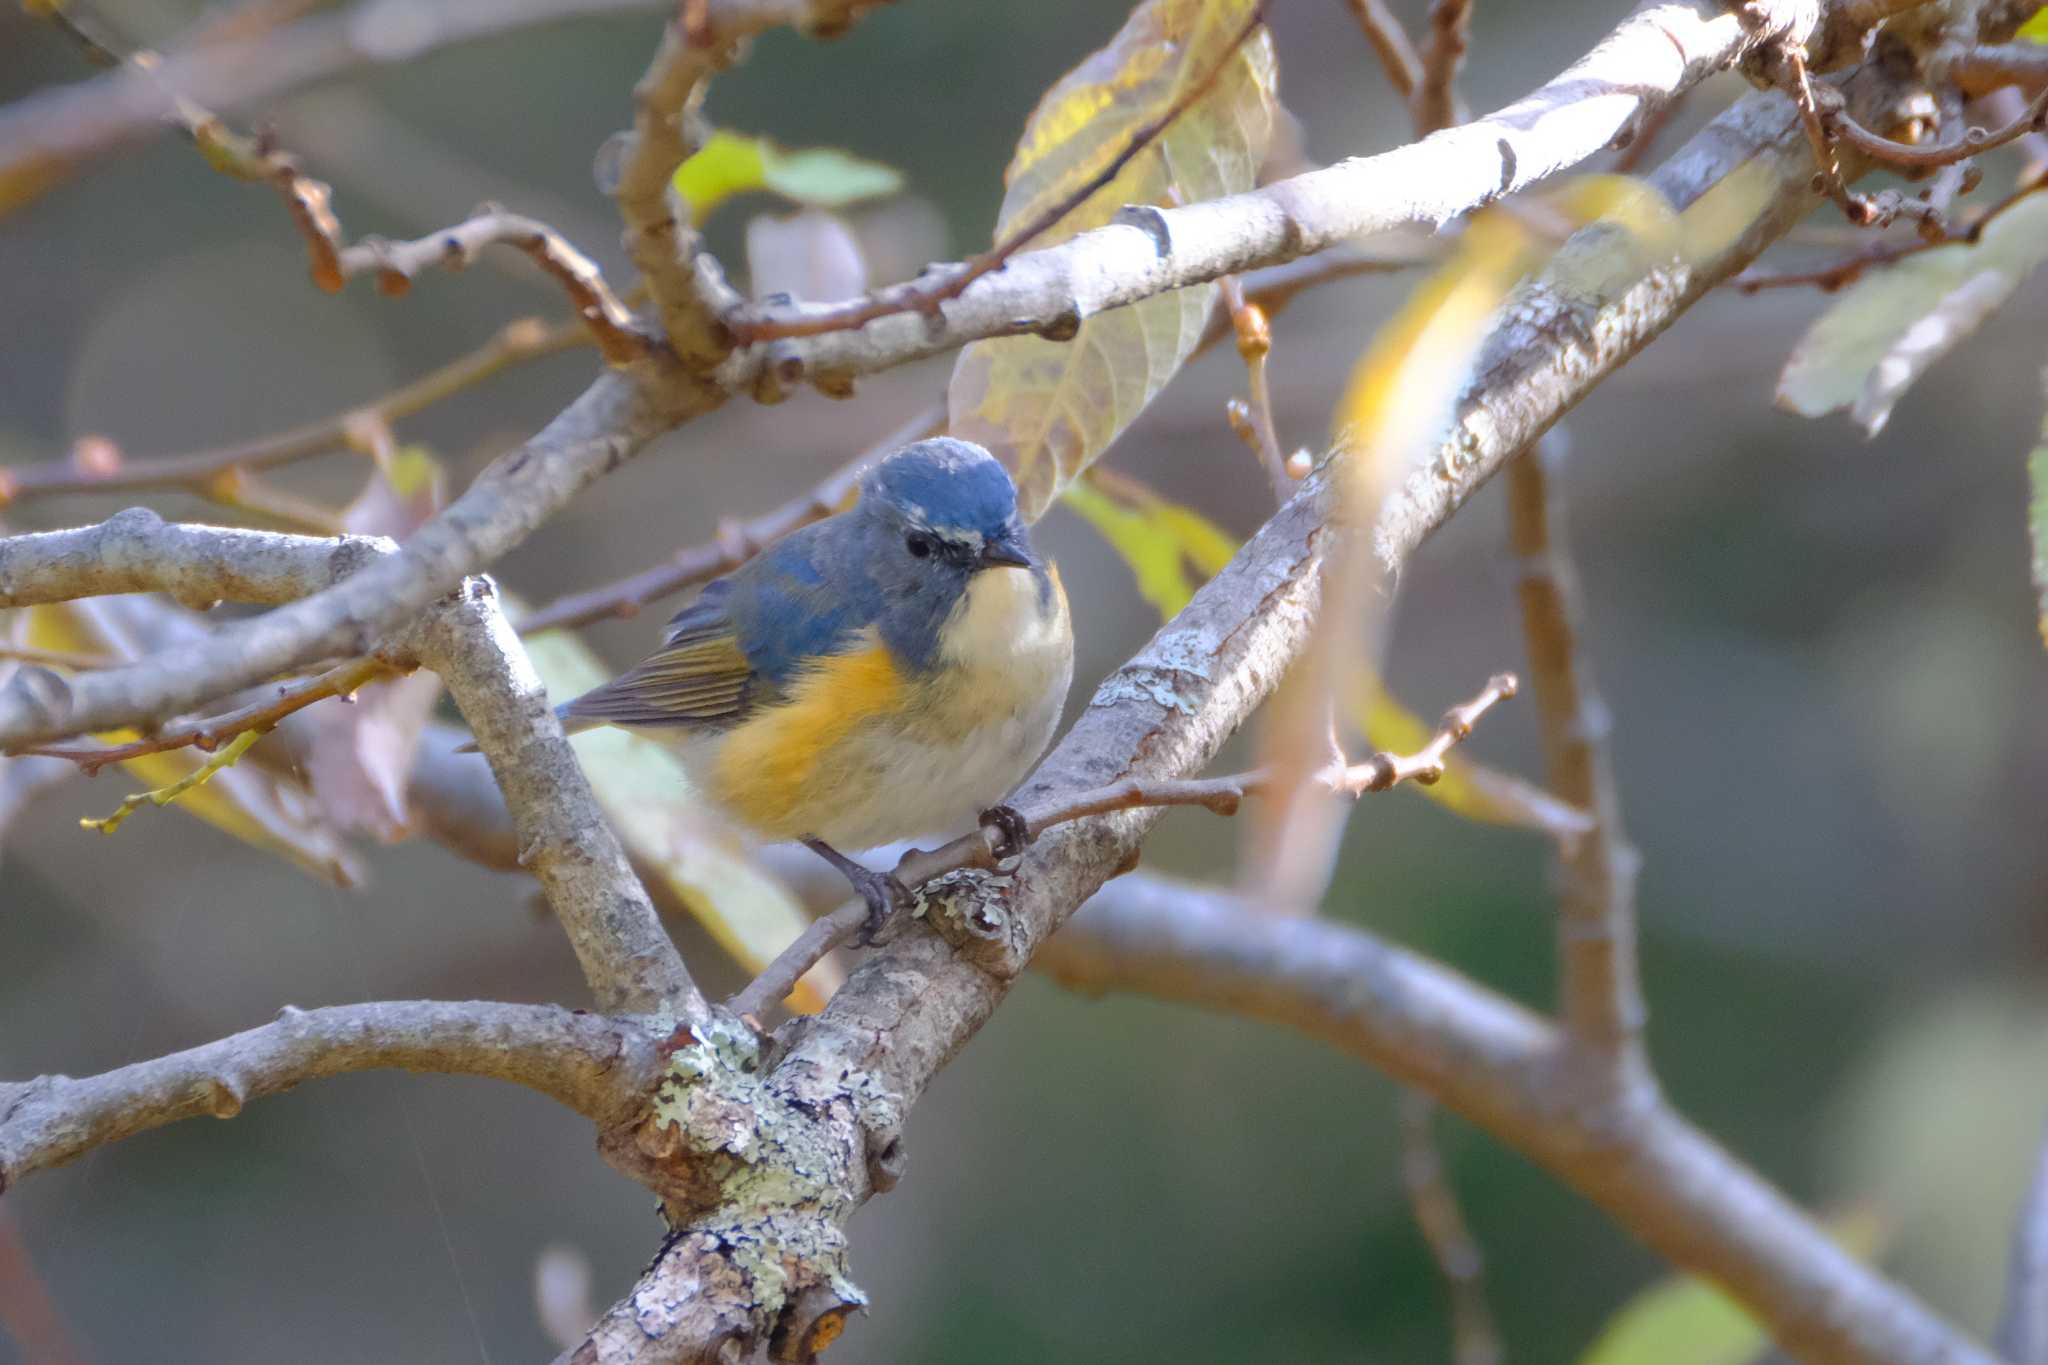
(1436, 102)
(922, 297)
(1844, 272)
(108, 471)
(1600, 993)
(310, 203)
(395, 264)
(1475, 1340)
(207, 735)
(804, 952)
(1972, 141)
(1979, 70)
(1253, 420)
(1390, 42)
(733, 546)
(1221, 795)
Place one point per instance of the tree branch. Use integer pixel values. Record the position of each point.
(564, 838)
(1657, 53)
(520, 490)
(913, 1005)
(1430, 1028)
(1475, 1340)
(1390, 44)
(596, 1066)
(525, 339)
(1601, 995)
(1436, 98)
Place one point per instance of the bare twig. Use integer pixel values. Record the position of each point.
(1252, 418)
(1600, 995)
(1390, 43)
(1973, 141)
(733, 546)
(516, 342)
(395, 264)
(506, 501)
(924, 295)
(595, 1066)
(916, 868)
(2022, 1336)
(1982, 69)
(309, 202)
(1436, 98)
(1848, 270)
(1475, 1340)
(341, 681)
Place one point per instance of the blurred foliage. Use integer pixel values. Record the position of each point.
(732, 163)
(1882, 335)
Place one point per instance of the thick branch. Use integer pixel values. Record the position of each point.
(1657, 53)
(138, 551)
(564, 838)
(909, 1008)
(1600, 992)
(1433, 1029)
(591, 1064)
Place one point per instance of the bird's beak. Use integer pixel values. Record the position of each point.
(1004, 552)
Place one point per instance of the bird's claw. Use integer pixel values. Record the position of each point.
(884, 895)
(1013, 831)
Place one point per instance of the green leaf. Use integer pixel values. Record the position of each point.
(646, 794)
(2037, 523)
(1047, 408)
(1686, 1321)
(1894, 323)
(732, 163)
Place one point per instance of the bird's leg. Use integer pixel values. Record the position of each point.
(883, 893)
(1013, 831)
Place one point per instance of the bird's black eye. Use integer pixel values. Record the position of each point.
(920, 546)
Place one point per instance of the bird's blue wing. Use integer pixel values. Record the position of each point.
(735, 647)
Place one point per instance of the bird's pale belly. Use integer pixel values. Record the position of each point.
(862, 754)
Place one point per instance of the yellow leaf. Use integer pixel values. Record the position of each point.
(171, 791)
(732, 163)
(261, 809)
(1048, 409)
(646, 795)
(2035, 30)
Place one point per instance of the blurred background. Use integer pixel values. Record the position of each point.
(1831, 726)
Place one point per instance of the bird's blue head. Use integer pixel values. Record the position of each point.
(948, 504)
(933, 518)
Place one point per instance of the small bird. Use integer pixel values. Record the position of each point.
(874, 676)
